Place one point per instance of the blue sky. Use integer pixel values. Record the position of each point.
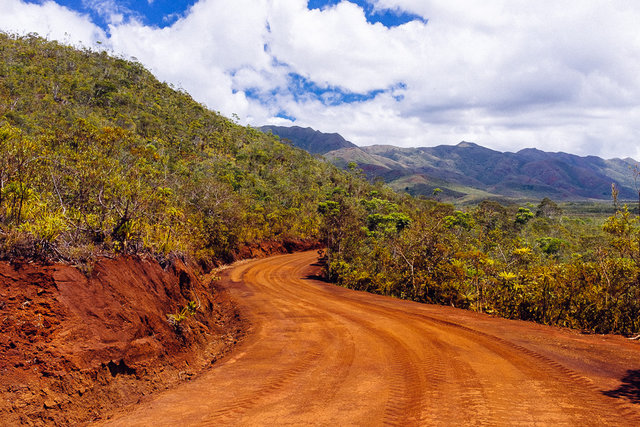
(387, 17)
(558, 76)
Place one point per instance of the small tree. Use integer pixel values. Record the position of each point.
(548, 209)
(523, 216)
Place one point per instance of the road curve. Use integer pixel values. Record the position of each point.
(318, 354)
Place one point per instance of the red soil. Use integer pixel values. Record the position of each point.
(262, 249)
(319, 354)
(73, 348)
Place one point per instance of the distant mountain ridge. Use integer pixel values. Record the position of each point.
(313, 141)
(468, 171)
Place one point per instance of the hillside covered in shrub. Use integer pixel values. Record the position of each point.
(98, 155)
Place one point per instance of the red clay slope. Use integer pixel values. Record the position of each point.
(73, 347)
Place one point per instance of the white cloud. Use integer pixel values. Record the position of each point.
(204, 50)
(49, 20)
(505, 74)
(555, 66)
(110, 10)
(338, 47)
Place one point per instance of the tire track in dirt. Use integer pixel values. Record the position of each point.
(241, 405)
(406, 382)
(567, 381)
(322, 355)
(304, 363)
(405, 385)
(471, 388)
(463, 389)
(403, 398)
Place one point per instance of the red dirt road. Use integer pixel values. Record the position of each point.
(318, 354)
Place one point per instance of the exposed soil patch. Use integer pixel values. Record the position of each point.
(262, 249)
(73, 348)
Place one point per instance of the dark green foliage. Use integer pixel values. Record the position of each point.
(550, 245)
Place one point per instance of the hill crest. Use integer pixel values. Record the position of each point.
(313, 141)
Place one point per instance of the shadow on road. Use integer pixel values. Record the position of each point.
(629, 389)
(320, 264)
(319, 274)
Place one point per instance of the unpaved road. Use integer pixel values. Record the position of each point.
(318, 354)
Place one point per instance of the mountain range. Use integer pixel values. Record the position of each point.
(468, 172)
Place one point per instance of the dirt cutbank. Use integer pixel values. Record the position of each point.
(73, 348)
(262, 249)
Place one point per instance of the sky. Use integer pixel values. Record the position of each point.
(505, 74)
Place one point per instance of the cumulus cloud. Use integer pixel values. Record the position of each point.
(49, 20)
(505, 74)
(336, 46)
(559, 76)
(215, 52)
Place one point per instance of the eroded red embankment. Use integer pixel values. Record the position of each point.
(73, 347)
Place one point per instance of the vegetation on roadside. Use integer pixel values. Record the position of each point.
(531, 263)
(189, 309)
